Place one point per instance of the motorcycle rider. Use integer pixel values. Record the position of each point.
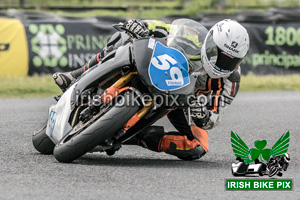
(222, 51)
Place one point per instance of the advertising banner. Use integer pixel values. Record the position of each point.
(64, 46)
(49, 44)
(13, 48)
(274, 48)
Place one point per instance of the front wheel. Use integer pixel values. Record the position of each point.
(273, 170)
(42, 143)
(105, 127)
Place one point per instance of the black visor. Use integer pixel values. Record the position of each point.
(226, 62)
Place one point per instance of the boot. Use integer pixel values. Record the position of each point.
(150, 138)
(64, 80)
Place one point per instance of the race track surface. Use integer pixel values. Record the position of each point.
(137, 173)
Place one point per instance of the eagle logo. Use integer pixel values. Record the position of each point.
(241, 150)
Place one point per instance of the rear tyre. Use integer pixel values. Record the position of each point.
(105, 127)
(42, 143)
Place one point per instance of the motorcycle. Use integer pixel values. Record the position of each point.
(277, 165)
(106, 106)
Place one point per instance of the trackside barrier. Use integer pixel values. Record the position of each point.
(13, 48)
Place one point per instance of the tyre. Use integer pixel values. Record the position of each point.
(42, 143)
(105, 127)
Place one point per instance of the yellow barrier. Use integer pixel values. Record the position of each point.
(13, 48)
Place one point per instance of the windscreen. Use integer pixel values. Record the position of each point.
(188, 36)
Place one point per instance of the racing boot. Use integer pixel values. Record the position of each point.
(150, 137)
(175, 143)
(64, 80)
(180, 145)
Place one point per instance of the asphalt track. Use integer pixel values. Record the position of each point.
(136, 173)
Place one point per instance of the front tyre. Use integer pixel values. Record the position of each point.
(105, 127)
(273, 170)
(42, 143)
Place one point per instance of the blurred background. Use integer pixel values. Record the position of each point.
(51, 36)
(145, 8)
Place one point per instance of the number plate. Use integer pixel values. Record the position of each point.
(168, 69)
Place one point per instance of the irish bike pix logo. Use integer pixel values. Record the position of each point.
(260, 161)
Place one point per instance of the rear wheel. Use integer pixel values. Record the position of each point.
(42, 143)
(69, 149)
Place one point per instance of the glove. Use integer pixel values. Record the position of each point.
(200, 114)
(138, 27)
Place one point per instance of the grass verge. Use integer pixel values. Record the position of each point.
(44, 86)
(270, 83)
(36, 86)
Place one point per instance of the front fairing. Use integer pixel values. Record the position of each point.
(59, 115)
(144, 53)
(170, 66)
(157, 80)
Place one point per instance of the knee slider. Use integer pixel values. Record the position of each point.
(192, 154)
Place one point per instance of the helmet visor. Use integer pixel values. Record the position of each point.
(219, 59)
(225, 62)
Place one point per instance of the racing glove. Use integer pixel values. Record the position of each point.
(138, 27)
(200, 114)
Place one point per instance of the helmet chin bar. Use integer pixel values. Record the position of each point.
(210, 69)
(214, 74)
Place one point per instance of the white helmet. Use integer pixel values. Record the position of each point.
(286, 158)
(225, 45)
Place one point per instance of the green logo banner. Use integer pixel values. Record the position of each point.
(260, 160)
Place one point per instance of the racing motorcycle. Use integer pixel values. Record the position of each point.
(106, 106)
(278, 164)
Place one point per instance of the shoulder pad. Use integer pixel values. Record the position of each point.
(235, 77)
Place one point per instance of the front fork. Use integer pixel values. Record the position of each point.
(118, 87)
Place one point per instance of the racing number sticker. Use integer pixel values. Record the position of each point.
(52, 120)
(168, 69)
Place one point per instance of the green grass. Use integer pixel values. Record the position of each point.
(41, 3)
(270, 83)
(195, 4)
(44, 86)
(190, 8)
(36, 86)
(135, 13)
(136, 7)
